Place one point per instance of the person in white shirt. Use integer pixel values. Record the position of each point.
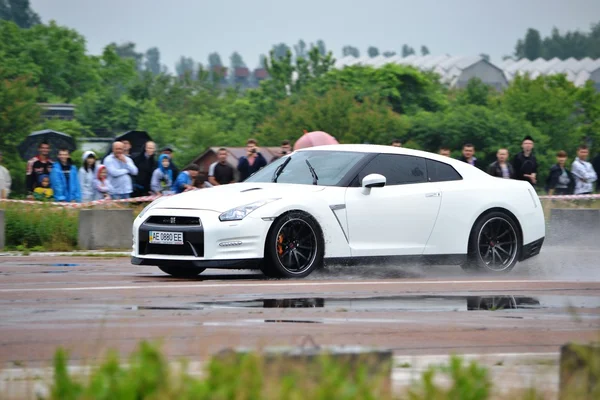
(5, 180)
(583, 171)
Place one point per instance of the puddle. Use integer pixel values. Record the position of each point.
(293, 321)
(54, 272)
(417, 303)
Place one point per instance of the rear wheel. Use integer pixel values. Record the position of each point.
(181, 272)
(294, 246)
(494, 244)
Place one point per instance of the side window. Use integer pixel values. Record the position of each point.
(397, 169)
(441, 172)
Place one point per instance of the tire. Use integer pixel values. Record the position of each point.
(487, 253)
(294, 246)
(181, 272)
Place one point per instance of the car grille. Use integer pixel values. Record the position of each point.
(167, 220)
(193, 236)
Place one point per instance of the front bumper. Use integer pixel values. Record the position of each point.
(531, 249)
(224, 264)
(208, 242)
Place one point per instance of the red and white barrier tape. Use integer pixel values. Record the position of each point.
(147, 199)
(572, 197)
(143, 199)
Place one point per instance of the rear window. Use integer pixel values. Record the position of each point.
(441, 172)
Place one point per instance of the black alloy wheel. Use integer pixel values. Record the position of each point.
(181, 272)
(294, 246)
(495, 244)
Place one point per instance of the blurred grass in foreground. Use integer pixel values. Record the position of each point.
(148, 375)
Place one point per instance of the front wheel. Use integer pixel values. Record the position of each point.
(182, 272)
(494, 244)
(294, 246)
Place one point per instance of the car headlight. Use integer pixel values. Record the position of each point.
(239, 213)
(149, 206)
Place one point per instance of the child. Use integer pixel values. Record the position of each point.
(43, 191)
(162, 177)
(102, 185)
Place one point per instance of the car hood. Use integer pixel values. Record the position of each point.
(225, 197)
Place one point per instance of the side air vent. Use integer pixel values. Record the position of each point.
(251, 189)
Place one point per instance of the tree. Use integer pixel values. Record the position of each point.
(476, 93)
(406, 89)
(321, 47)
(532, 46)
(54, 57)
(407, 50)
(487, 129)
(574, 44)
(350, 51)
(152, 63)
(373, 51)
(389, 54)
(262, 59)
(486, 57)
(127, 50)
(335, 112)
(280, 51)
(236, 60)
(186, 66)
(18, 114)
(424, 51)
(214, 60)
(20, 12)
(300, 49)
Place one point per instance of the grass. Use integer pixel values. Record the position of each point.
(248, 376)
(40, 227)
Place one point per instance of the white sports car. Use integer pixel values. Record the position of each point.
(344, 203)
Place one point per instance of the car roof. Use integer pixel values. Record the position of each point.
(462, 167)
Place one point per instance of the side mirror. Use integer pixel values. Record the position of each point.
(371, 181)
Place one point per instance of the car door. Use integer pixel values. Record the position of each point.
(396, 219)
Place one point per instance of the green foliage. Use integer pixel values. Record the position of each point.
(406, 89)
(467, 382)
(20, 12)
(574, 44)
(53, 228)
(337, 113)
(487, 129)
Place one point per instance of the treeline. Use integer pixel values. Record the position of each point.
(49, 63)
(574, 44)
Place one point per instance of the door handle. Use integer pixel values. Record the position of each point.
(433, 194)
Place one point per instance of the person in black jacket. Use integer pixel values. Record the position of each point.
(525, 163)
(468, 155)
(146, 164)
(560, 180)
(501, 168)
(252, 161)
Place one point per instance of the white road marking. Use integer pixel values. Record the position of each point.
(282, 284)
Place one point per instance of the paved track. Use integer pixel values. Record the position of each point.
(89, 305)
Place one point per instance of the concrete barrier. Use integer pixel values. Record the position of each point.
(2, 230)
(574, 226)
(105, 229)
(579, 372)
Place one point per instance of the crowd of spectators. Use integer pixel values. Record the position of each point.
(120, 176)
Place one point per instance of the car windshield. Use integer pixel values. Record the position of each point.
(329, 166)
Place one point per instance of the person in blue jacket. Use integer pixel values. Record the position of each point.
(64, 180)
(185, 179)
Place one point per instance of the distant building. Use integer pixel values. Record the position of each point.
(455, 71)
(241, 77)
(209, 156)
(57, 110)
(577, 71)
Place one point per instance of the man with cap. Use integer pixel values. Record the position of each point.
(169, 151)
(525, 163)
(5, 180)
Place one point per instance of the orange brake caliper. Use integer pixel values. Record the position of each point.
(280, 244)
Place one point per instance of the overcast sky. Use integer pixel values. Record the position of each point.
(195, 28)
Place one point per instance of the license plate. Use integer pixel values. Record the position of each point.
(157, 237)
